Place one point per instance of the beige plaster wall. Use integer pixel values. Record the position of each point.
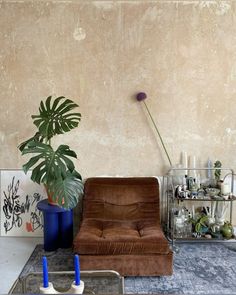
(101, 53)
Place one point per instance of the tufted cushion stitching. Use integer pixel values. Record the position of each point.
(121, 237)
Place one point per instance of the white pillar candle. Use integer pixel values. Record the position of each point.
(225, 188)
(209, 171)
(192, 164)
(184, 162)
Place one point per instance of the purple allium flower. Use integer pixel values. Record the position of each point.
(141, 96)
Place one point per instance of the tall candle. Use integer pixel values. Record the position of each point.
(184, 161)
(77, 270)
(209, 171)
(192, 164)
(45, 272)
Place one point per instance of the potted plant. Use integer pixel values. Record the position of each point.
(53, 166)
(217, 166)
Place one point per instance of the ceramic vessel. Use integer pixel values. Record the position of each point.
(227, 230)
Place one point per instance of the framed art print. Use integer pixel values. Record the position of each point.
(19, 198)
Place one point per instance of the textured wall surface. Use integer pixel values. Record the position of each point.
(100, 54)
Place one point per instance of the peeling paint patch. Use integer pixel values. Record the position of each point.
(222, 8)
(188, 2)
(79, 34)
(107, 5)
(229, 131)
(2, 137)
(206, 4)
(152, 13)
(233, 73)
(193, 136)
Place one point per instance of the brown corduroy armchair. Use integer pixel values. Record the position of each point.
(121, 229)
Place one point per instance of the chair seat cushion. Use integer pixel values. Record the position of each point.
(120, 237)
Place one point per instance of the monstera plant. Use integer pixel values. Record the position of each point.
(54, 167)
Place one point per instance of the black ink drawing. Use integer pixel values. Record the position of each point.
(16, 207)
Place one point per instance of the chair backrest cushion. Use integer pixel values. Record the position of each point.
(121, 198)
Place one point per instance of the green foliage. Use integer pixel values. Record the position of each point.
(217, 165)
(54, 168)
(200, 223)
(36, 138)
(64, 190)
(56, 118)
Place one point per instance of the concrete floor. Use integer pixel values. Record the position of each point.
(14, 253)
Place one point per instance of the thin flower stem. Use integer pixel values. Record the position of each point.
(163, 145)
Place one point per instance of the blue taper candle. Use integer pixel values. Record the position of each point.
(45, 272)
(77, 270)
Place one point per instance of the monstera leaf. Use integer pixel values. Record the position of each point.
(36, 137)
(66, 191)
(56, 118)
(52, 166)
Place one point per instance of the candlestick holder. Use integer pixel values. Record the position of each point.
(77, 287)
(74, 289)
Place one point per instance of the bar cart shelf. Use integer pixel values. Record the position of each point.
(195, 208)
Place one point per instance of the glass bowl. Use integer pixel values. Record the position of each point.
(211, 191)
